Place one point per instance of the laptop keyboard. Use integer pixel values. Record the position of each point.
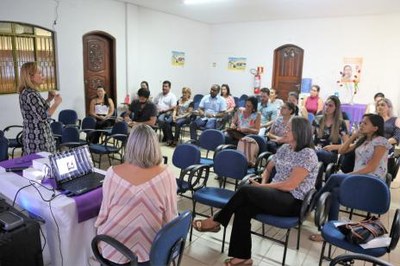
(81, 185)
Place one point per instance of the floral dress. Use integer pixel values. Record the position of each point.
(365, 152)
(37, 134)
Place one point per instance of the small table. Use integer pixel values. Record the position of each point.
(354, 111)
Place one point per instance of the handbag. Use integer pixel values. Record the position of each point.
(235, 134)
(363, 231)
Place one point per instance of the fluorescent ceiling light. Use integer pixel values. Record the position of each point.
(197, 2)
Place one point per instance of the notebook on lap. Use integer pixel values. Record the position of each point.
(73, 171)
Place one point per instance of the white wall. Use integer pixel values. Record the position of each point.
(145, 39)
(325, 42)
(159, 35)
(76, 18)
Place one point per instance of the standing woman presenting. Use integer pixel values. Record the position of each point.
(35, 110)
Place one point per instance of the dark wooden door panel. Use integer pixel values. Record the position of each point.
(288, 68)
(99, 65)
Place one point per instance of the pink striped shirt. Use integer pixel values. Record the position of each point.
(134, 214)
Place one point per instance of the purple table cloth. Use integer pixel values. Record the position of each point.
(355, 111)
(87, 205)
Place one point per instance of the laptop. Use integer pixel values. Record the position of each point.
(73, 171)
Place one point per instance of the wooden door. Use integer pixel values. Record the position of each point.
(288, 68)
(99, 65)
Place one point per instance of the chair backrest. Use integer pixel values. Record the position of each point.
(230, 163)
(57, 128)
(236, 101)
(88, 123)
(169, 242)
(210, 139)
(70, 134)
(186, 155)
(167, 245)
(120, 128)
(262, 143)
(366, 193)
(197, 98)
(3, 147)
(395, 230)
(68, 117)
(350, 259)
(319, 180)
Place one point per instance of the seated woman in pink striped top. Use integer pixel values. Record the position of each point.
(139, 197)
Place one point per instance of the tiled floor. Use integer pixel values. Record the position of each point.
(205, 248)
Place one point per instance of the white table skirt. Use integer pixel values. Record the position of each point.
(67, 245)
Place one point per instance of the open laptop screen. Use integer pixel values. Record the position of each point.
(71, 164)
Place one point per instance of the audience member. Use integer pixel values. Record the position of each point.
(314, 103)
(267, 110)
(180, 116)
(35, 110)
(211, 108)
(384, 108)
(245, 121)
(144, 85)
(330, 131)
(141, 110)
(140, 187)
(371, 107)
(102, 109)
(280, 127)
(300, 110)
(165, 102)
(371, 153)
(230, 102)
(296, 171)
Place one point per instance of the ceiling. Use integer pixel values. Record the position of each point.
(237, 11)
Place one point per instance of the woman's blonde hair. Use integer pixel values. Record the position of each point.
(27, 71)
(389, 105)
(186, 89)
(143, 148)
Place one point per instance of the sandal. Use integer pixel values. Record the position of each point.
(199, 226)
(248, 262)
(316, 238)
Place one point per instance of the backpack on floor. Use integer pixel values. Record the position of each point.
(250, 149)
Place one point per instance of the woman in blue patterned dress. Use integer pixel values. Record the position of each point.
(35, 110)
(296, 167)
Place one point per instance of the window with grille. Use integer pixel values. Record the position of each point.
(21, 43)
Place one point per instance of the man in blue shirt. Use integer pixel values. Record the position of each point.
(211, 108)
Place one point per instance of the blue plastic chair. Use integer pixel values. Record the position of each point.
(192, 175)
(349, 259)
(196, 101)
(287, 223)
(3, 147)
(227, 163)
(209, 140)
(166, 249)
(113, 144)
(14, 142)
(361, 192)
(70, 138)
(68, 117)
